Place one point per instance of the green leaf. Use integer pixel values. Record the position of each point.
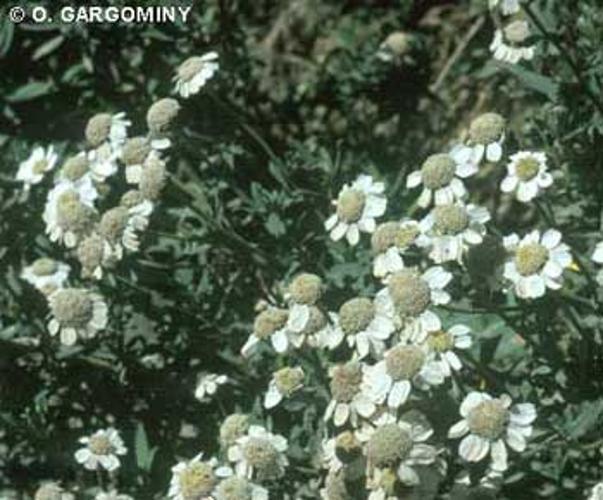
(274, 225)
(144, 454)
(6, 37)
(533, 80)
(48, 47)
(30, 91)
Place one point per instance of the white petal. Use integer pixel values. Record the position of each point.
(499, 456)
(474, 448)
(459, 429)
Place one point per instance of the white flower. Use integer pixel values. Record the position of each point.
(150, 154)
(409, 297)
(103, 161)
(107, 128)
(365, 324)
(208, 385)
(490, 423)
(486, 137)
(441, 345)
(451, 229)
(392, 378)
(537, 262)
(507, 43)
(526, 174)
(597, 257)
(272, 323)
(441, 178)
(32, 170)
(47, 275)
(52, 491)
(283, 384)
(341, 449)
(196, 479)
(76, 312)
(239, 488)
(348, 400)
(389, 242)
(119, 228)
(597, 492)
(358, 205)
(112, 495)
(102, 449)
(69, 212)
(507, 7)
(259, 454)
(397, 446)
(195, 72)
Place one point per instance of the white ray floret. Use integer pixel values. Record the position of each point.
(102, 450)
(195, 72)
(32, 170)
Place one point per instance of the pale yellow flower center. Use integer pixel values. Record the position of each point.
(345, 382)
(75, 167)
(288, 380)
(517, 32)
(233, 427)
(260, 453)
(527, 168)
(197, 480)
(161, 114)
(44, 267)
(437, 171)
(356, 315)
(100, 445)
(389, 445)
(40, 166)
(350, 205)
(269, 321)
(531, 258)
(411, 294)
(113, 223)
(90, 252)
(347, 447)
(487, 128)
(440, 341)
(72, 214)
(98, 128)
(190, 68)
(135, 151)
(404, 362)
(392, 234)
(306, 288)
(131, 198)
(72, 307)
(488, 419)
(450, 219)
(153, 179)
(234, 488)
(398, 43)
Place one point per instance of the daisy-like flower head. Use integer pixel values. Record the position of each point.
(32, 170)
(112, 495)
(357, 207)
(104, 127)
(91, 255)
(77, 172)
(597, 492)
(119, 227)
(283, 384)
(365, 326)
(234, 426)
(396, 445)
(103, 161)
(526, 175)
(486, 137)
(389, 241)
(153, 178)
(409, 297)
(395, 46)
(308, 324)
(537, 262)
(271, 323)
(259, 454)
(440, 176)
(76, 312)
(392, 378)
(348, 400)
(340, 450)
(208, 385)
(161, 114)
(47, 275)
(195, 72)
(196, 479)
(239, 488)
(52, 491)
(452, 228)
(490, 423)
(101, 450)
(507, 7)
(69, 214)
(305, 288)
(442, 343)
(508, 44)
